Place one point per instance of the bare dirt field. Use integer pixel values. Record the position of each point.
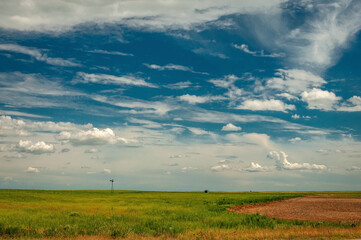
(311, 208)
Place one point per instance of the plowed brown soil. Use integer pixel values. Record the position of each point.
(311, 208)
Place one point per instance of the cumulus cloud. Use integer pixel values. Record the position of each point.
(93, 136)
(34, 148)
(296, 139)
(244, 48)
(353, 104)
(283, 164)
(296, 116)
(193, 99)
(172, 67)
(260, 139)
(266, 105)
(320, 99)
(13, 127)
(220, 168)
(32, 170)
(37, 54)
(255, 167)
(294, 81)
(231, 127)
(111, 79)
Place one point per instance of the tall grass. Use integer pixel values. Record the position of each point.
(32, 213)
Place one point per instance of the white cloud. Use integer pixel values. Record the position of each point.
(295, 116)
(283, 164)
(353, 104)
(266, 105)
(260, 139)
(188, 169)
(37, 54)
(33, 84)
(288, 96)
(244, 48)
(228, 82)
(225, 82)
(106, 170)
(111, 52)
(179, 85)
(32, 170)
(92, 150)
(231, 127)
(22, 114)
(16, 156)
(145, 123)
(296, 139)
(198, 131)
(294, 81)
(110, 79)
(255, 167)
(193, 99)
(332, 25)
(34, 148)
(61, 15)
(138, 106)
(320, 99)
(220, 168)
(14, 127)
(93, 136)
(354, 169)
(172, 67)
(176, 156)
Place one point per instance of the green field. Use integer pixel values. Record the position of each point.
(138, 214)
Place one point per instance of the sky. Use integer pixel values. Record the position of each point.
(174, 95)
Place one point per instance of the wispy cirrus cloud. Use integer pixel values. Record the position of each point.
(38, 55)
(137, 106)
(173, 67)
(98, 78)
(329, 27)
(244, 48)
(111, 52)
(193, 99)
(59, 16)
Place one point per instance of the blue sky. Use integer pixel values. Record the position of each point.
(177, 95)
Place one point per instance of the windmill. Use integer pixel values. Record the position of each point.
(112, 188)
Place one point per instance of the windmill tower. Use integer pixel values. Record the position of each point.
(112, 187)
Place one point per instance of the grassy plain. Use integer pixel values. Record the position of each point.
(154, 215)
